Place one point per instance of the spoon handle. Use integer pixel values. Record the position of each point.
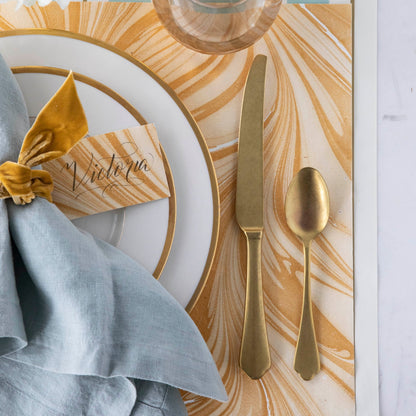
(307, 356)
(254, 353)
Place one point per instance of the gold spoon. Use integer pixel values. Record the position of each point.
(307, 213)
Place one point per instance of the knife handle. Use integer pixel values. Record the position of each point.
(254, 353)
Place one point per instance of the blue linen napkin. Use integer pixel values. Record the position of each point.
(84, 329)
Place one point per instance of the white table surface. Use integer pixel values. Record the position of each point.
(397, 206)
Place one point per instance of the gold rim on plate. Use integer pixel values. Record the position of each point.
(185, 112)
(141, 120)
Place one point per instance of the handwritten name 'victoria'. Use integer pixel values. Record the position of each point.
(119, 168)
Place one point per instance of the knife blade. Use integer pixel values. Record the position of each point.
(254, 352)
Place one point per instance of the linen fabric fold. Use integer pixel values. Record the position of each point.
(84, 329)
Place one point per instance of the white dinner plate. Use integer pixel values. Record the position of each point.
(196, 188)
(154, 222)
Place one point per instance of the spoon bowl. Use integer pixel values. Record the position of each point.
(307, 213)
(307, 204)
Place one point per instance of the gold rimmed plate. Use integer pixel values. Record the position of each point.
(196, 232)
(101, 102)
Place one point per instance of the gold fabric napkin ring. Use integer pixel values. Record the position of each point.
(59, 126)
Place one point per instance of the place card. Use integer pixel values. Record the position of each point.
(109, 171)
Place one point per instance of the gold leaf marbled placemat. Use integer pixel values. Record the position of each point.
(308, 122)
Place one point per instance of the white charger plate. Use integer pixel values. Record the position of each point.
(197, 221)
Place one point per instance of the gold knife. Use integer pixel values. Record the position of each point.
(254, 353)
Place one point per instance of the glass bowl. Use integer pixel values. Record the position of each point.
(216, 26)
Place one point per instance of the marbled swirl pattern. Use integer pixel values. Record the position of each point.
(308, 122)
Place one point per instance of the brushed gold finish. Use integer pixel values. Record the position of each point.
(254, 352)
(307, 213)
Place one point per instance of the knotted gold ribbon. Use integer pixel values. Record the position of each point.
(57, 128)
